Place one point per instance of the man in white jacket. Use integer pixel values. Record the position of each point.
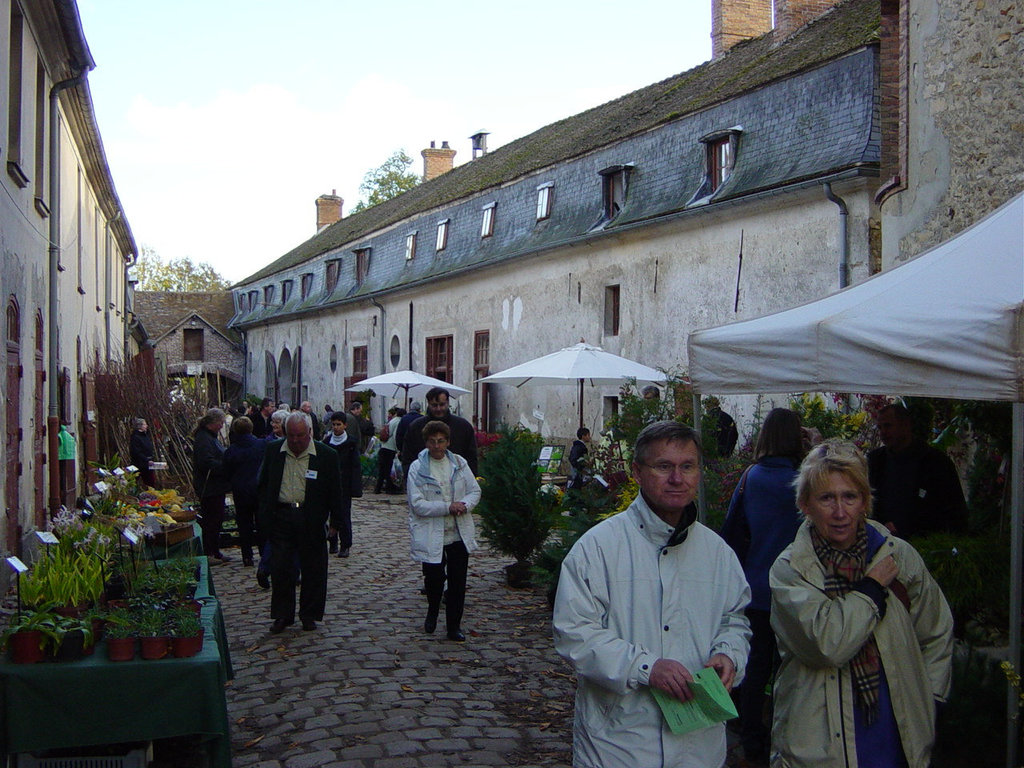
(646, 599)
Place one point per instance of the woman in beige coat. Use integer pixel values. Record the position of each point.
(864, 632)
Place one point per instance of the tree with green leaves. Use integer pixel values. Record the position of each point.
(179, 275)
(388, 180)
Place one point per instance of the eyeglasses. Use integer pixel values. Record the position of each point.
(437, 441)
(846, 499)
(667, 468)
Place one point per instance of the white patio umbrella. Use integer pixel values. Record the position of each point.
(579, 363)
(411, 383)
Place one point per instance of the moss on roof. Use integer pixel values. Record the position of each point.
(747, 66)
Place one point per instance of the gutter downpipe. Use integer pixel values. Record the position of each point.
(844, 248)
(130, 260)
(53, 363)
(108, 285)
(383, 338)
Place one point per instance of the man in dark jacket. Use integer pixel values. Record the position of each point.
(916, 486)
(463, 436)
(261, 418)
(300, 491)
(242, 462)
(140, 446)
(340, 541)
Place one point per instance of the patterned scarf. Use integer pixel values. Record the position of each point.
(842, 569)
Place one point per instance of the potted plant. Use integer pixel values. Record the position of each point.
(31, 634)
(186, 631)
(76, 638)
(120, 634)
(150, 623)
(516, 516)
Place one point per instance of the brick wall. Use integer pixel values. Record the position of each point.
(437, 161)
(790, 15)
(328, 210)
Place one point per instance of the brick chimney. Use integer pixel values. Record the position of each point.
(733, 21)
(790, 15)
(328, 209)
(437, 161)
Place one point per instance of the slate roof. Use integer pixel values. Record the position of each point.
(746, 67)
(162, 311)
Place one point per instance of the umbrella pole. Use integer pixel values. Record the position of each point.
(702, 512)
(580, 400)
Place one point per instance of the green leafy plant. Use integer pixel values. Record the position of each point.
(120, 622)
(516, 517)
(44, 621)
(183, 621)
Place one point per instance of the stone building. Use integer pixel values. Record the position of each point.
(623, 226)
(66, 247)
(190, 336)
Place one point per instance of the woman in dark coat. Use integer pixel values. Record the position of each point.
(210, 482)
(140, 448)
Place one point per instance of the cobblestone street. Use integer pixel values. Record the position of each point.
(369, 689)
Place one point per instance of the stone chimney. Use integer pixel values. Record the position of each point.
(790, 15)
(437, 161)
(733, 21)
(328, 209)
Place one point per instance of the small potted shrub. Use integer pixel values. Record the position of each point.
(76, 638)
(120, 634)
(186, 631)
(150, 622)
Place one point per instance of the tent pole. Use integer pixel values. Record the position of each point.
(702, 512)
(1016, 529)
(580, 400)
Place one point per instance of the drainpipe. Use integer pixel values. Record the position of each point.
(53, 412)
(844, 248)
(126, 335)
(383, 337)
(108, 277)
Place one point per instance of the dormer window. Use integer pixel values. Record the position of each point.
(307, 285)
(720, 156)
(241, 303)
(254, 296)
(362, 264)
(487, 223)
(331, 278)
(442, 235)
(544, 200)
(268, 295)
(410, 246)
(286, 290)
(615, 184)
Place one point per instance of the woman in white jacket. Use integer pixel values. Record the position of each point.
(442, 493)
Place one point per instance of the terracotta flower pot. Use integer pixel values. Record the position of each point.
(153, 647)
(120, 648)
(182, 647)
(72, 646)
(25, 647)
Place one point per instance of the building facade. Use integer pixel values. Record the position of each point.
(737, 188)
(66, 246)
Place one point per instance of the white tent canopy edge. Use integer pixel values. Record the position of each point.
(948, 323)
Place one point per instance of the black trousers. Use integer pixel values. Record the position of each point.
(385, 459)
(211, 520)
(755, 731)
(453, 567)
(245, 516)
(291, 539)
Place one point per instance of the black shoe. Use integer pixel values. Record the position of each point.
(247, 562)
(343, 552)
(263, 579)
(457, 636)
(308, 625)
(332, 546)
(278, 626)
(430, 625)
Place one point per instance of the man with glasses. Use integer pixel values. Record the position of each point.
(645, 600)
(463, 436)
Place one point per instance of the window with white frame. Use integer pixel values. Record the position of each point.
(442, 235)
(410, 246)
(544, 200)
(487, 223)
(720, 156)
(362, 264)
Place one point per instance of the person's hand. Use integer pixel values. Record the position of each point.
(725, 668)
(671, 677)
(457, 508)
(892, 528)
(885, 571)
(332, 532)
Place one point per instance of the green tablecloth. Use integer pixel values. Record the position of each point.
(96, 701)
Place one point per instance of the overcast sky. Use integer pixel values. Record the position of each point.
(223, 120)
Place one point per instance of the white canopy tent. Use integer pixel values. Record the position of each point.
(949, 323)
